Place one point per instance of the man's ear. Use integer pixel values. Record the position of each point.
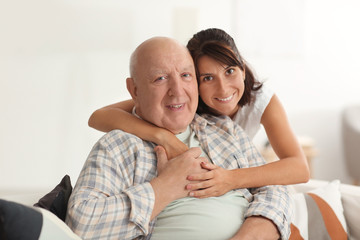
(131, 87)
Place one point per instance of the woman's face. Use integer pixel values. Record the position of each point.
(220, 87)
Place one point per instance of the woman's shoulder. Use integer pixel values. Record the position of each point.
(249, 116)
(264, 94)
(261, 99)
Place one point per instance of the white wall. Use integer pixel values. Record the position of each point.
(308, 51)
(60, 60)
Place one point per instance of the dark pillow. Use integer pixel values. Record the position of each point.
(20, 222)
(56, 201)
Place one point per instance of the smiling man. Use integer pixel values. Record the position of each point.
(128, 189)
(163, 84)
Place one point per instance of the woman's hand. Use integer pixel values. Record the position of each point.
(173, 146)
(216, 182)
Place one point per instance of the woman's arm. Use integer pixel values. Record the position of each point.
(118, 116)
(291, 168)
(114, 116)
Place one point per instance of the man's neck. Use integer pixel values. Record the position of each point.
(173, 131)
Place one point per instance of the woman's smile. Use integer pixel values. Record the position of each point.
(226, 99)
(221, 87)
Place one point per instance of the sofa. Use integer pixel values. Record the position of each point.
(349, 203)
(350, 129)
(343, 203)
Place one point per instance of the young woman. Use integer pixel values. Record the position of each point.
(227, 86)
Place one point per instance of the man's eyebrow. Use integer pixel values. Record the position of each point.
(157, 71)
(189, 68)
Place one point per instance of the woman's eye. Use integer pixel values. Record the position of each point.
(230, 71)
(207, 78)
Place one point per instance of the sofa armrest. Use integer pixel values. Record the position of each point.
(350, 197)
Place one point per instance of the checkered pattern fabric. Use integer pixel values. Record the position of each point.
(113, 198)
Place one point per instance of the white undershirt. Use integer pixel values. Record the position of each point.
(215, 218)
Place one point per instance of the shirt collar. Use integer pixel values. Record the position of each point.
(203, 120)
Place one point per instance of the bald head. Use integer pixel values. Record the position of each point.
(150, 49)
(163, 83)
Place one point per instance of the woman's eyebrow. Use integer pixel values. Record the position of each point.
(226, 66)
(205, 74)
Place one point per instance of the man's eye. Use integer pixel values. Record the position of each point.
(186, 75)
(161, 78)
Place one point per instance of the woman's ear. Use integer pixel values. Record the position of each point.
(131, 87)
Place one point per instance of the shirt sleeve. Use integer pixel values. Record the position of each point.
(272, 202)
(105, 203)
(249, 115)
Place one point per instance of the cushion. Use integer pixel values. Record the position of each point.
(22, 222)
(56, 201)
(350, 196)
(319, 214)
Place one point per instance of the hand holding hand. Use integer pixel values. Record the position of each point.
(172, 174)
(215, 182)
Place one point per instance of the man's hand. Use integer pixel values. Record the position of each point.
(213, 183)
(170, 183)
(257, 228)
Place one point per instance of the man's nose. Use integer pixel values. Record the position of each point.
(176, 87)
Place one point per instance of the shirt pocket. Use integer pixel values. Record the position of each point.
(234, 161)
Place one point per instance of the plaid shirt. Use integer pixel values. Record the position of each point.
(113, 198)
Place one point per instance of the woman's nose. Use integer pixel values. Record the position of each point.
(221, 85)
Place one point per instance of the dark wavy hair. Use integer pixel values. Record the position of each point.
(220, 46)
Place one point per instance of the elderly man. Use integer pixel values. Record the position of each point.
(128, 189)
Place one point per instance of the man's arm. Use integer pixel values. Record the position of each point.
(109, 200)
(250, 229)
(104, 202)
(270, 202)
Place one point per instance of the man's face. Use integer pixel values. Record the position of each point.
(165, 86)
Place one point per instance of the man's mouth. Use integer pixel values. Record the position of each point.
(175, 106)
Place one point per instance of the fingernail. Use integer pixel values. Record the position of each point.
(191, 194)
